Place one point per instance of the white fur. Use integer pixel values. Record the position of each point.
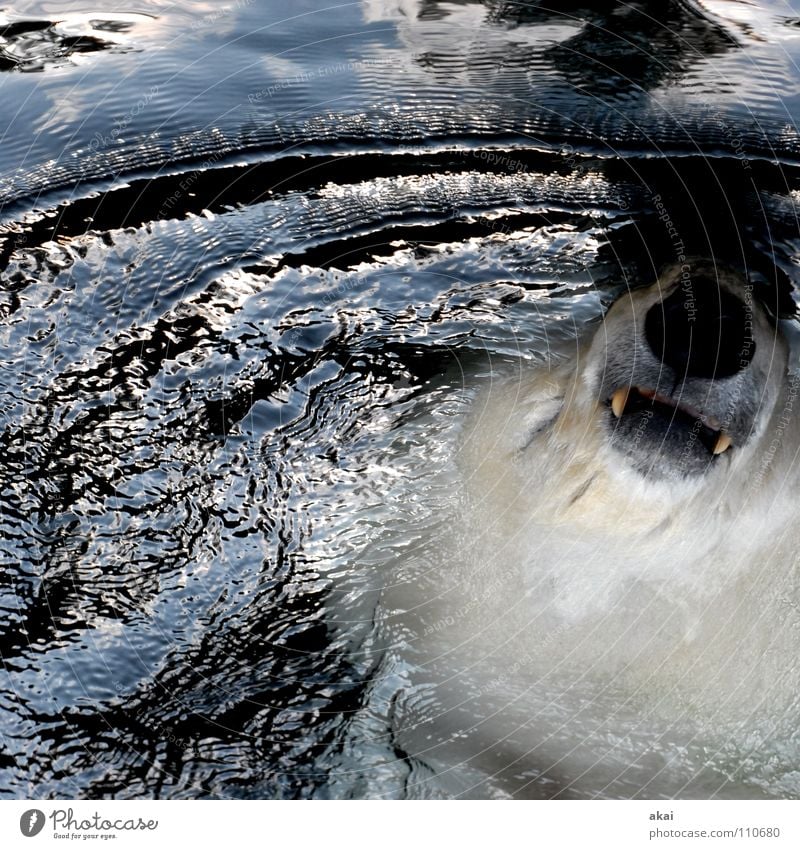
(583, 630)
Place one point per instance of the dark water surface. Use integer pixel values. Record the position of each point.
(253, 258)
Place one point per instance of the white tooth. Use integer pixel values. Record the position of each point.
(619, 399)
(722, 444)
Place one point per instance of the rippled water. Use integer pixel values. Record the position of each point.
(255, 267)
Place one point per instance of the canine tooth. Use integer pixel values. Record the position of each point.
(722, 444)
(619, 399)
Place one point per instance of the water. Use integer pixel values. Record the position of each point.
(256, 271)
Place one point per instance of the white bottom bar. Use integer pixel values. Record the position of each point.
(410, 825)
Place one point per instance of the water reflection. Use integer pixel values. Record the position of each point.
(606, 50)
(33, 45)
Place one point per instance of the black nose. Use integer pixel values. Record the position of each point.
(700, 331)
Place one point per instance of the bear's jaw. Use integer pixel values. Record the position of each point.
(707, 428)
(674, 437)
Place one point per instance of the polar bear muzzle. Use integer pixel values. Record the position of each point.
(686, 368)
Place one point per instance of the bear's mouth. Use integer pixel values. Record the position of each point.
(708, 429)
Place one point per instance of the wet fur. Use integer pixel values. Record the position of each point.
(607, 632)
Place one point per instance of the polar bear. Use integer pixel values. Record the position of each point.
(615, 610)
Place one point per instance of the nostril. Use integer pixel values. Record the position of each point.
(700, 331)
